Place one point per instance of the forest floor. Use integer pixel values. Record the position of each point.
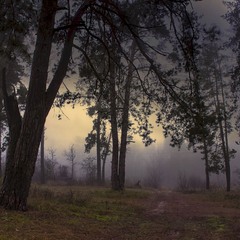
(87, 213)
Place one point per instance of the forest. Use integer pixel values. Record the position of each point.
(124, 62)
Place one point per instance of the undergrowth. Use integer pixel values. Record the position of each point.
(86, 213)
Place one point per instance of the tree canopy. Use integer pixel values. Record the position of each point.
(127, 56)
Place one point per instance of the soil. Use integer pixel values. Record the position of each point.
(204, 216)
(100, 214)
(182, 205)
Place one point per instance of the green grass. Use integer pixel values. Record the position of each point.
(74, 213)
(57, 212)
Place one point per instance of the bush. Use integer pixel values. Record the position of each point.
(188, 184)
(43, 193)
(154, 175)
(69, 197)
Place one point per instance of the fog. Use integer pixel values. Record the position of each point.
(159, 160)
(171, 163)
(142, 162)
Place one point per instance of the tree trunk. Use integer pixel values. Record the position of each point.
(25, 138)
(14, 123)
(114, 130)
(227, 160)
(72, 175)
(21, 154)
(125, 117)
(206, 164)
(17, 179)
(0, 141)
(42, 159)
(1, 127)
(1, 120)
(105, 157)
(0, 152)
(223, 134)
(114, 125)
(98, 130)
(25, 135)
(103, 171)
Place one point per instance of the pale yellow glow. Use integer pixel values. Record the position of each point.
(74, 127)
(71, 129)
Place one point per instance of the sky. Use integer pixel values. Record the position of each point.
(75, 125)
(212, 10)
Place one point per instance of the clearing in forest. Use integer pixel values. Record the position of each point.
(87, 213)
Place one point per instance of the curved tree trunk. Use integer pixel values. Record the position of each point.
(25, 137)
(20, 167)
(14, 122)
(25, 134)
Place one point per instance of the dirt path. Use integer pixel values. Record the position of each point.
(203, 216)
(190, 205)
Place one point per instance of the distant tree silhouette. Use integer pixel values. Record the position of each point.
(70, 155)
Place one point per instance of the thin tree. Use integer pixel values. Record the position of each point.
(51, 163)
(232, 16)
(70, 155)
(42, 157)
(89, 166)
(105, 153)
(119, 94)
(223, 104)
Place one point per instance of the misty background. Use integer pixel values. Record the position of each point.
(157, 160)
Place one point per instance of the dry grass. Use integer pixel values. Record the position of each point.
(99, 213)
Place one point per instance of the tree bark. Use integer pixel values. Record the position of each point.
(227, 160)
(226, 157)
(98, 130)
(114, 130)
(25, 138)
(125, 117)
(14, 124)
(113, 114)
(223, 134)
(0, 151)
(25, 134)
(1, 109)
(206, 164)
(42, 159)
(105, 157)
